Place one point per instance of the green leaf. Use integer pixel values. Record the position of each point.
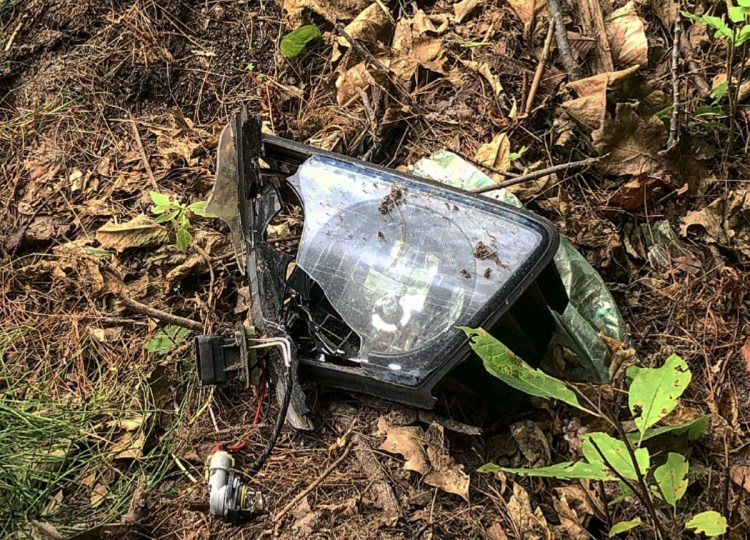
(167, 216)
(672, 478)
(184, 238)
(709, 523)
(97, 252)
(199, 209)
(743, 3)
(166, 339)
(500, 362)
(563, 471)
(513, 156)
(159, 199)
(294, 43)
(695, 429)
(736, 14)
(624, 526)
(654, 392)
(743, 35)
(616, 453)
(625, 492)
(720, 91)
(160, 209)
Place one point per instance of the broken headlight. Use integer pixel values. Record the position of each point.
(387, 269)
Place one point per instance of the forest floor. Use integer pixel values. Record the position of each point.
(104, 430)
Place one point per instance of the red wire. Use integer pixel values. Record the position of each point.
(258, 410)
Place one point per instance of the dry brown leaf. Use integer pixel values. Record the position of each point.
(745, 350)
(526, 9)
(484, 70)
(371, 25)
(99, 492)
(407, 441)
(139, 232)
(426, 454)
(181, 141)
(531, 523)
(627, 37)
(332, 10)
(740, 475)
(496, 532)
(128, 445)
(589, 109)
(635, 193)
(574, 509)
(724, 221)
(666, 10)
(721, 78)
(496, 154)
(462, 10)
(632, 142)
(348, 83)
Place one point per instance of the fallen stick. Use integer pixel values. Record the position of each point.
(540, 67)
(538, 174)
(301, 495)
(561, 37)
(159, 314)
(142, 151)
(674, 124)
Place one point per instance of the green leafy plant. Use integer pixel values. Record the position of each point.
(736, 32)
(514, 156)
(626, 459)
(294, 43)
(173, 210)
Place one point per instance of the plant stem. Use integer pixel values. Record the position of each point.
(647, 499)
(731, 96)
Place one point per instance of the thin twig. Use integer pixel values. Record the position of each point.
(312, 486)
(561, 37)
(540, 67)
(674, 126)
(159, 314)
(538, 174)
(142, 151)
(12, 38)
(478, 163)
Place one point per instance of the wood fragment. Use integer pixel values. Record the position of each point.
(674, 124)
(563, 44)
(158, 314)
(12, 38)
(704, 89)
(540, 67)
(538, 174)
(592, 24)
(142, 151)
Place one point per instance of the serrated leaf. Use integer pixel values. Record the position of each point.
(655, 391)
(500, 362)
(159, 199)
(615, 453)
(624, 526)
(166, 339)
(695, 429)
(563, 471)
(184, 238)
(672, 478)
(295, 42)
(709, 523)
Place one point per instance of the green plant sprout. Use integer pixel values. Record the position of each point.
(625, 459)
(179, 214)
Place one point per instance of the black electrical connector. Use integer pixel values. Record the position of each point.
(222, 357)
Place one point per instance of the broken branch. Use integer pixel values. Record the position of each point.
(540, 67)
(673, 127)
(538, 174)
(158, 314)
(561, 37)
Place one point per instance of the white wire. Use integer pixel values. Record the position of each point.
(282, 343)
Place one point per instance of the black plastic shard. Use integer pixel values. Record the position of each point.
(387, 268)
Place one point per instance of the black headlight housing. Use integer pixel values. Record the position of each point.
(388, 267)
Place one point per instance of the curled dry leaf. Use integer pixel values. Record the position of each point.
(484, 70)
(574, 509)
(139, 232)
(371, 25)
(531, 523)
(496, 154)
(525, 10)
(627, 37)
(724, 221)
(426, 454)
(332, 10)
(462, 10)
